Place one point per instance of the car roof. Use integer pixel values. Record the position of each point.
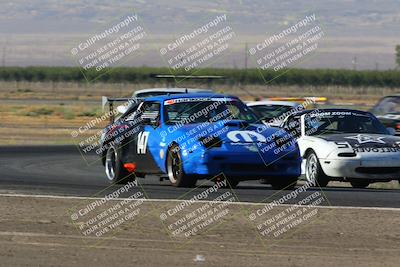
(171, 90)
(271, 102)
(188, 95)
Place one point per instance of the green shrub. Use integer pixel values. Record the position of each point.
(313, 77)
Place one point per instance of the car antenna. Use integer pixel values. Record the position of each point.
(186, 90)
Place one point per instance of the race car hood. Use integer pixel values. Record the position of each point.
(234, 139)
(235, 131)
(364, 140)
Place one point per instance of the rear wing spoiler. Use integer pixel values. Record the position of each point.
(127, 101)
(173, 78)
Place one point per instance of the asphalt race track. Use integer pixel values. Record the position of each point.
(61, 170)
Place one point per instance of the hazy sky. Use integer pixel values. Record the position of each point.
(42, 32)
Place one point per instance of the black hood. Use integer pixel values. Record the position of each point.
(364, 140)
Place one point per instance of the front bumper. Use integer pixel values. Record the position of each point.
(243, 165)
(373, 169)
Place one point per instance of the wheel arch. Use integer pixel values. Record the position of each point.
(308, 152)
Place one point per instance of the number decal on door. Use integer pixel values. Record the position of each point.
(142, 142)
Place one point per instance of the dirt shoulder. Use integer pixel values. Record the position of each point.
(40, 232)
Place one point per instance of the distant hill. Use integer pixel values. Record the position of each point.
(41, 32)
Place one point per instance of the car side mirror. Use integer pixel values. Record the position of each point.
(391, 131)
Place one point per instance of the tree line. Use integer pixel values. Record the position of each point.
(313, 77)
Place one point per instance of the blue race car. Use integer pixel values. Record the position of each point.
(187, 137)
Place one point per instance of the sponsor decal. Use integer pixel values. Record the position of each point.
(342, 144)
(142, 142)
(169, 102)
(377, 149)
(337, 113)
(363, 138)
(246, 136)
(197, 99)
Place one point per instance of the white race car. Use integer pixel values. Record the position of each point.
(345, 145)
(272, 113)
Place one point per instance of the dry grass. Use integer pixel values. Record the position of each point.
(47, 112)
(45, 124)
(94, 91)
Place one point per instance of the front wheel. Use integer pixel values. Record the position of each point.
(175, 171)
(314, 172)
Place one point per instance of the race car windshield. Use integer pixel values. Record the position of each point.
(336, 124)
(270, 111)
(189, 112)
(390, 104)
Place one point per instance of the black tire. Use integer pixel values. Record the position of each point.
(115, 171)
(359, 183)
(314, 171)
(280, 183)
(175, 171)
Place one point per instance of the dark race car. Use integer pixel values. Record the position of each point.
(387, 110)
